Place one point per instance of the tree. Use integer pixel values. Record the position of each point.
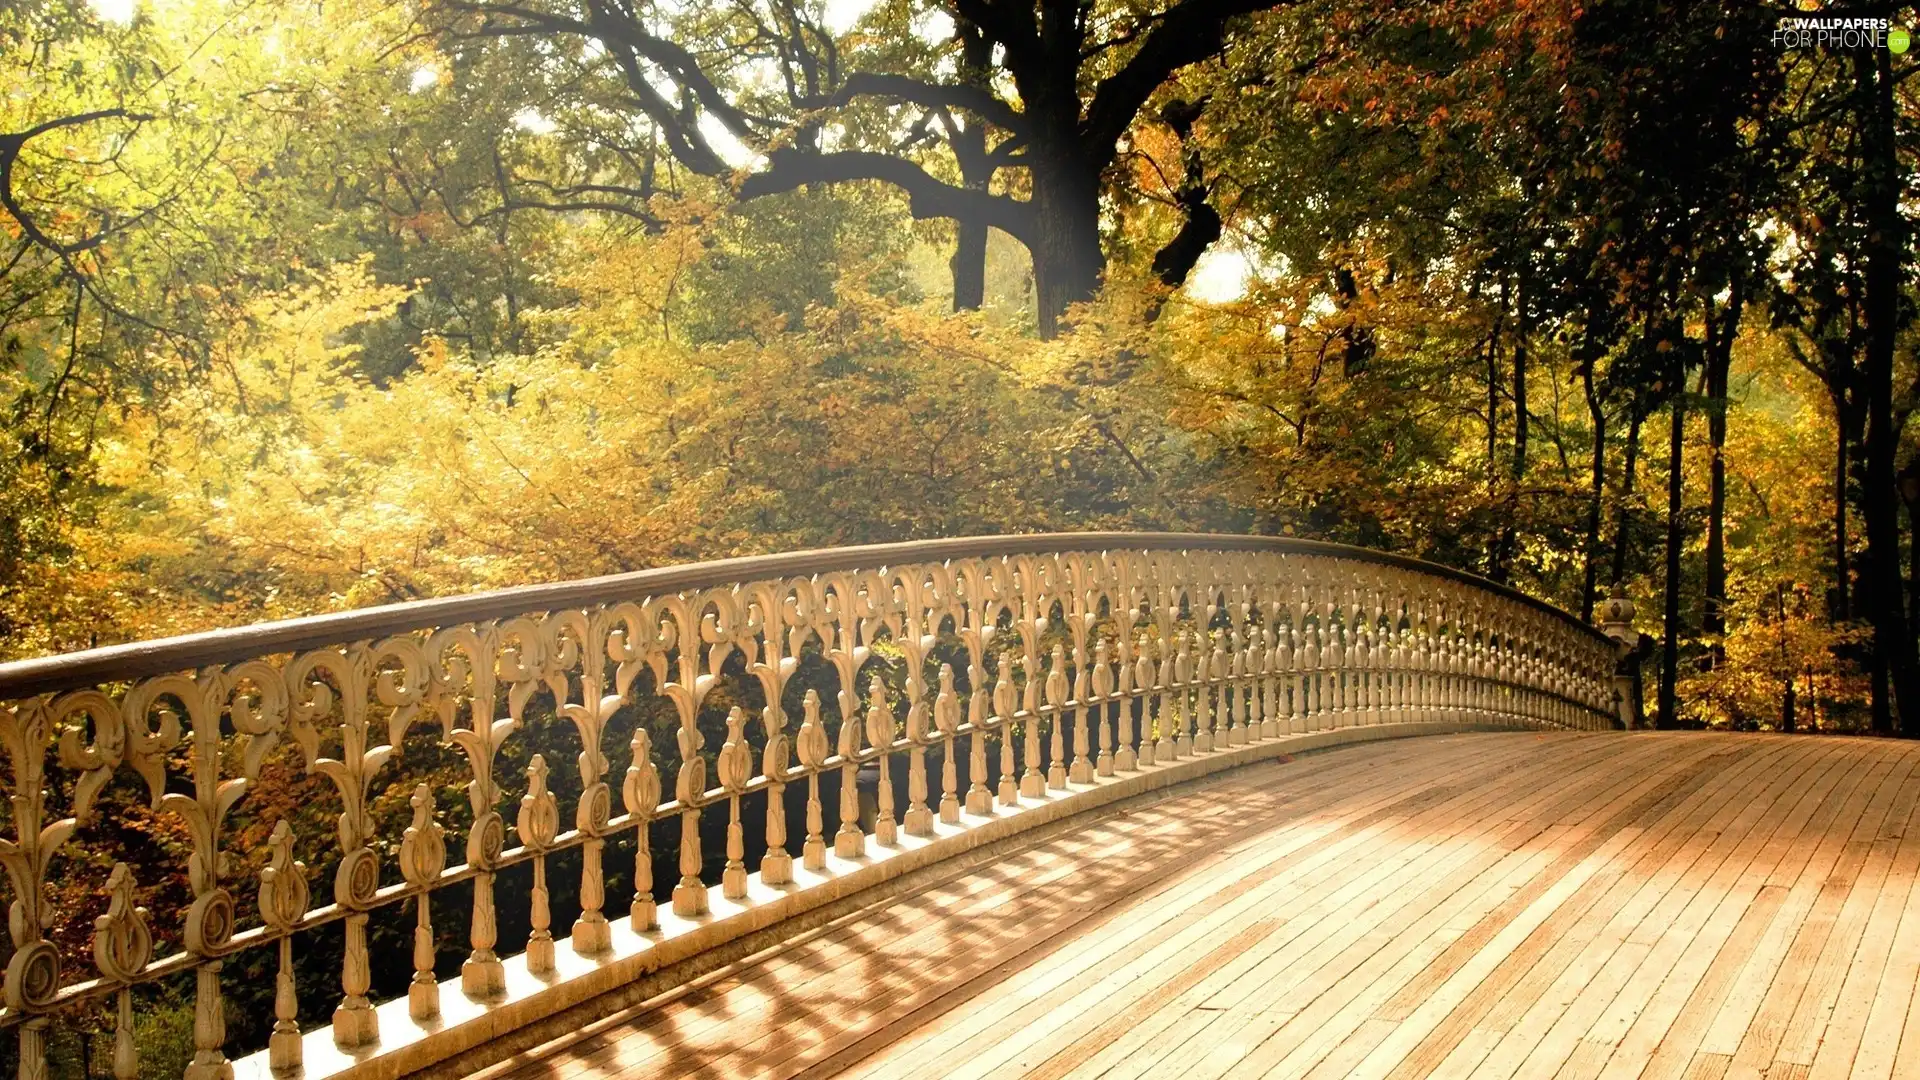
(1061, 84)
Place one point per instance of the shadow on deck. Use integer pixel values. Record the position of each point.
(1495, 905)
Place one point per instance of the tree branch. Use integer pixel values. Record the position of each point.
(977, 100)
(12, 143)
(1188, 33)
(927, 197)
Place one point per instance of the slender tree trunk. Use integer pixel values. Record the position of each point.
(1883, 256)
(1719, 359)
(1520, 393)
(1839, 596)
(1493, 393)
(1596, 493)
(1620, 536)
(1788, 696)
(1669, 714)
(1510, 527)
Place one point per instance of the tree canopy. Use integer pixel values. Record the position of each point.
(307, 306)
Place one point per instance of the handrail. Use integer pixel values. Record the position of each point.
(67, 671)
(1036, 675)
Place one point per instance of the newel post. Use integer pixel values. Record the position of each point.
(1616, 621)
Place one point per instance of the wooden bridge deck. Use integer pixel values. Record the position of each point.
(1488, 905)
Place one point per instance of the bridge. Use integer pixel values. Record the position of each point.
(1058, 805)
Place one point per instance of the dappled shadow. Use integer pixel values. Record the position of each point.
(826, 1002)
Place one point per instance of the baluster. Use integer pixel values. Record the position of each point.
(734, 764)
(1126, 755)
(1143, 685)
(1032, 782)
(1297, 675)
(1317, 676)
(1333, 656)
(849, 842)
(1126, 614)
(1360, 660)
(423, 855)
(1183, 687)
(33, 973)
(1234, 672)
(123, 944)
(1103, 703)
(772, 608)
(640, 793)
(572, 641)
(1056, 707)
(1269, 679)
(711, 619)
(880, 735)
(210, 919)
(482, 976)
(1080, 770)
(1005, 706)
(946, 718)
(538, 824)
(776, 866)
(283, 899)
(919, 819)
(812, 748)
(1203, 688)
(979, 797)
(689, 788)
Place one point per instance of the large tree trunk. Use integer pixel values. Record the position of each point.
(1883, 254)
(1067, 260)
(969, 263)
(1669, 709)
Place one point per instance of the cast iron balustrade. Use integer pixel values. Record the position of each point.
(790, 694)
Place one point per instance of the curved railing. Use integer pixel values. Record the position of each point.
(917, 699)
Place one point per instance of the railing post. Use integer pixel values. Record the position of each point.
(1616, 621)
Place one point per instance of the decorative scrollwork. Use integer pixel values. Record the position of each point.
(33, 976)
(122, 939)
(283, 883)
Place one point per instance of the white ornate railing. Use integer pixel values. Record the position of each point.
(1043, 674)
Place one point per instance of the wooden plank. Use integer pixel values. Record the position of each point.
(1548, 1024)
(1471, 1044)
(1499, 850)
(1724, 982)
(1504, 946)
(1885, 1001)
(1796, 1036)
(1755, 1016)
(1670, 978)
(1034, 871)
(1500, 906)
(1103, 997)
(1033, 998)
